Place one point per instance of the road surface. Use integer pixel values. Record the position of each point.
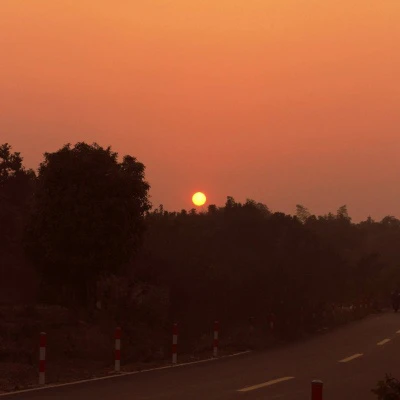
(349, 360)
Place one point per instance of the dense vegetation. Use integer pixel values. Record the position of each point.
(388, 389)
(86, 219)
(81, 233)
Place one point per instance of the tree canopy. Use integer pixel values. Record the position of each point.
(87, 218)
(16, 189)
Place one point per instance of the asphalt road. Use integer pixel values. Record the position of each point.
(349, 360)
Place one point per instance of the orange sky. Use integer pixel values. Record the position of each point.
(284, 101)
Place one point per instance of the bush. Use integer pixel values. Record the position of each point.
(388, 389)
(142, 312)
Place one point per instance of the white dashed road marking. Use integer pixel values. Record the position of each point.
(351, 358)
(266, 384)
(383, 342)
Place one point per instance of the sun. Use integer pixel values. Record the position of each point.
(199, 199)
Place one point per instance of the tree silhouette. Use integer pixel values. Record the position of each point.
(16, 189)
(302, 213)
(87, 220)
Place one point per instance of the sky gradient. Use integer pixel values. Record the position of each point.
(286, 102)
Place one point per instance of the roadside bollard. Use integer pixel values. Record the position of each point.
(42, 358)
(175, 343)
(316, 390)
(117, 366)
(216, 339)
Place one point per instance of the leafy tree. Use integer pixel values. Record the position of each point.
(343, 214)
(87, 220)
(16, 188)
(10, 164)
(230, 203)
(388, 389)
(16, 182)
(212, 209)
(390, 221)
(302, 213)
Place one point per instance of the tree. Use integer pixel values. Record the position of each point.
(302, 213)
(390, 221)
(16, 185)
(230, 203)
(15, 181)
(388, 389)
(212, 209)
(16, 188)
(343, 214)
(87, 220)
(10, 164)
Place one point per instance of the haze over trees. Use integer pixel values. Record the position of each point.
(84, 230)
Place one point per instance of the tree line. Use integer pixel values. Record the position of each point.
(81, 232)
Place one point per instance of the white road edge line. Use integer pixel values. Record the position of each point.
(351, 358)
(384, 341)
(119, 375)
(265, 384)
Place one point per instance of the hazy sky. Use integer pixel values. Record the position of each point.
(283, 101)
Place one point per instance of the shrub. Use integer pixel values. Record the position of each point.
(388, 389)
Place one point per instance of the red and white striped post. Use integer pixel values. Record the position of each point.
(42, 358)
(175, 343)
(316, 390)
(216, 339)
(117, 366)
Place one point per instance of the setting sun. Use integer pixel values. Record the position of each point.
(199, 199)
